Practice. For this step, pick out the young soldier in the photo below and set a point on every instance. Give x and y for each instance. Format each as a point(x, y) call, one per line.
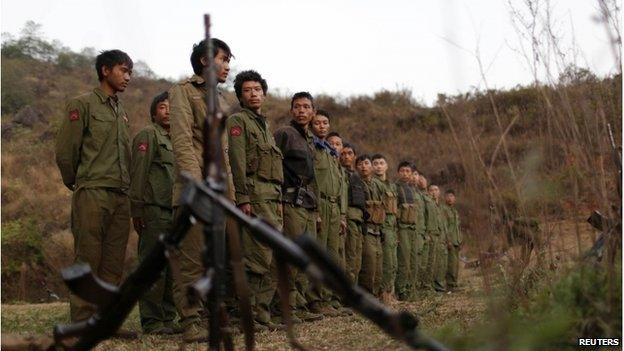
point(439, 239)
point(425, 257)
point(372, 252)
point(452, 220)
point(257, 174)
point(299, 200)
point(331, 207)
point(406, 222)
point(335, 141)
point(188, 112)
point(388, 229)
point(150, 206)
point(356, 226)
point(93, 155)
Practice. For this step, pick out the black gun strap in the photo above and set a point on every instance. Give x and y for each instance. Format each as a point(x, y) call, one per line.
point(240, 283)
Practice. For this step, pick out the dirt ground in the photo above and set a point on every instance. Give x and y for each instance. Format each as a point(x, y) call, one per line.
point(461, 309)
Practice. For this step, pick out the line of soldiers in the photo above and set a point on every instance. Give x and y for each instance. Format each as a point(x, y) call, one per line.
point(391, 238)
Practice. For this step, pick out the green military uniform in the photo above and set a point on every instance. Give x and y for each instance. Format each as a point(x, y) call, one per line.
point(331, 208)
point(372, 253)
point(299, 198)
point(150, 199)
point(257, 174)
point(406, 222)
point(430, 244)
point(355, 225)
point(420, 247)
point(389, 236)
point(93, 155)
point(187, 101)
point(440, 244)
point(454, 235)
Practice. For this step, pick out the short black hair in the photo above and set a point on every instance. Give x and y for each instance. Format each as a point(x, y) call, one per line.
point(405, 164)
point(323, 113)
point(361, 158)
point(378, 156)
point(110, 59)
point(157, 99)
point(246, 76)
point(450, 191)
point(346, 145)
point(333, 134)
point(432, 185)
point(199, 51)
point(301, 95)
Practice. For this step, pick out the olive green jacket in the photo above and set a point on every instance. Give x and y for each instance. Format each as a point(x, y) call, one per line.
point(452, 222)
point(329, 178)
point(151, 170)
point(389, 193)
point(374, 192)
point(93, 143)
point(255, 159)
point(187, 101)
point(421, 214)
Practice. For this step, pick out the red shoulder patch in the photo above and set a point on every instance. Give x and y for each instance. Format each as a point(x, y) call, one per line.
point(74, 115)
point(142, 147)
point(236, 131)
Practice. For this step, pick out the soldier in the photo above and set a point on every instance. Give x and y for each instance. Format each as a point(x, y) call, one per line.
point(188, 112)
point(93, 156)
point(372, 253)
point(257, 174)
point(388, 229)
point(332, 209)
point(452, 220)
point(356, 225)
point(151, 176)
point(406, 222)
point(335, 141)
point(439, 239)
point(299, 200)
point(426, 251)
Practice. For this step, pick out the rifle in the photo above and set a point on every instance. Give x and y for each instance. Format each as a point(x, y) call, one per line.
point(204, 201)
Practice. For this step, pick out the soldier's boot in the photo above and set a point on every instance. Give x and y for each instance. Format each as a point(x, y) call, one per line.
point(194, 332)
point(308, 316)
point(325, 310)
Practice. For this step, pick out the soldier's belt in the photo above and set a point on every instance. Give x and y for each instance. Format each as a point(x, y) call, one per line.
point(373, 232)
point(332, 199)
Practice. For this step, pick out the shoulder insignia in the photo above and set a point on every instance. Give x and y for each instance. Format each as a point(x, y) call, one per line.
point(74, 115)
point(236, 131)
point(142, 147)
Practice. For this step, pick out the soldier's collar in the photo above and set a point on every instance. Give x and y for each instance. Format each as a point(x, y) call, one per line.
point(197, 80)
point(253, 113)
point(104, 97)
point(160, 129)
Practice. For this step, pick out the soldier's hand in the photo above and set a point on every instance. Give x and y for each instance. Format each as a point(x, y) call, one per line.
point(343, 225)
point(246, 208)
point(138, 224)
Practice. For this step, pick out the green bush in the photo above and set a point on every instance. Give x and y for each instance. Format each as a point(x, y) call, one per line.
point(21, 243)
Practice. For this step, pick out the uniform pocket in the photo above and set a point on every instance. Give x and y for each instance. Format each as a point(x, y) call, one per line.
point(376, 211)
point(100, 127)
point(390, 202)
point(407, 213)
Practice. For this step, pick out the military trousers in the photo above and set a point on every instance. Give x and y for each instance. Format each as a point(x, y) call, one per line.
point(439, 265)
point(187, 268)
point(405, 249)
point(297, 221)
point(259, 262)
point(416, 261)
point(329, 236)
point(372, 255)
point(452, 270)
point(426, 259)
point(389, 245)
point(156, 307)
point(353, 245)
point(100, 224)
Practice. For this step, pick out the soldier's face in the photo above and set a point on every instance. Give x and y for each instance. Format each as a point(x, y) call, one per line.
point(320, 126)
point(222, 60)
point(365, 168)
point(347, 157)
point(252, 95)
point(380, 166)
point(336, 143)
point(422, 182)
point(162, 114)
point(434, 191)
point(414, 178)
point(450, 199)
point(302, 111)
point(117, 77)
point(405, 174)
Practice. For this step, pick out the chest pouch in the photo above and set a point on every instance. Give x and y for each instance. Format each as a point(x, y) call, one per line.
point(376, 211)
point(407, 213)
point(390, 202)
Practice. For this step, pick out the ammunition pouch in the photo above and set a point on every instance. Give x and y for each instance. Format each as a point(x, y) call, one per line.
point(408, 213)
point(299, 197)
point(377, 211)
point(269, 164)
point(390, 203)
